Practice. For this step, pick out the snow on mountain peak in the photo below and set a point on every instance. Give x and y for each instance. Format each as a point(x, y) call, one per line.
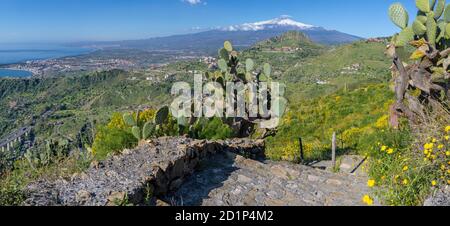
point(283, 21)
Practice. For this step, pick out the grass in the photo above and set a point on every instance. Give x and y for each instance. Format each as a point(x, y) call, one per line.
point(354, 115)
point(408, 164)
point(13, 183)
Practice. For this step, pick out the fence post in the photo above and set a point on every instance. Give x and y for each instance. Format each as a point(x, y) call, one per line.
point(302, 158)
point(333, 150)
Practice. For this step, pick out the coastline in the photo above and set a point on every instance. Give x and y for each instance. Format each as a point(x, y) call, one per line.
point(27, 64)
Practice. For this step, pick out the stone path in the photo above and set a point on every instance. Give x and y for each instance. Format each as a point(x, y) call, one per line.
point(231, 180)
point(186, 172)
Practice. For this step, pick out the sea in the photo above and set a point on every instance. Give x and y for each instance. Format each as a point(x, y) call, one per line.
point(20, 53)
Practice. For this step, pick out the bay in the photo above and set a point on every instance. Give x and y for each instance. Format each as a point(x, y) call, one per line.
point(14, 73)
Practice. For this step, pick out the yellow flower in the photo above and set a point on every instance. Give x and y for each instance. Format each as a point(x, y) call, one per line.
point(429, 146)
point(447, 153)
point(367, 200)
point(448, 181)
point(434, 140)
point(441, 146)
point(371, 183)
point(405, 182)
point(426, 152)
point(384, 148)
point(433, 183)
point(390, 151)
point(447, 129)
point(447, 137)
point(405, 168)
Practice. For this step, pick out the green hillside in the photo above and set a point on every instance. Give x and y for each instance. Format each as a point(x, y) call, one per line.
point(284, 51)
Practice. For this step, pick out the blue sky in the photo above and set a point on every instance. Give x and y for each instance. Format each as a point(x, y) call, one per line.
point(78, 20)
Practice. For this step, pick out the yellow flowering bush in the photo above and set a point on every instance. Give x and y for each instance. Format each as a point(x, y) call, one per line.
point(406, 173)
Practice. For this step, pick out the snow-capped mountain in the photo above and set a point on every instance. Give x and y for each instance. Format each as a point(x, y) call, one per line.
point(281, 22)
point(242, 36)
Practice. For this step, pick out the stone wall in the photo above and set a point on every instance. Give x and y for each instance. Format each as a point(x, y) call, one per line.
point(136, 175)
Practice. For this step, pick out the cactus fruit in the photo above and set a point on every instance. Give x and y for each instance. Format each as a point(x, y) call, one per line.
point(162, 115)
point(129, 120)
point(249, 64)
point(228, 46)
point(399, 15)
point(419, 28)
point(423, 5)
point(439, 9)
point(431, 29)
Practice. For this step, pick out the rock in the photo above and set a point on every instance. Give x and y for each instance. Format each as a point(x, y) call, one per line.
point(159, 202)
point(116, 197)
point(334, 182)
point(252, 183)
point(279, 172)
point(243, 179)
point(441, 197)
point(82, 196)
point(162, 163)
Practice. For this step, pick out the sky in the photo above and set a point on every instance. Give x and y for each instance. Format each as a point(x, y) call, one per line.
point(108, 20)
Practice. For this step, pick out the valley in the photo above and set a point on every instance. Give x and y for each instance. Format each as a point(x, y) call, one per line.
point(107, 113)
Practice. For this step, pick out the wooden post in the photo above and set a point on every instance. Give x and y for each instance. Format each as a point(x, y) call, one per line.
point(333, 150)
point(302, 158)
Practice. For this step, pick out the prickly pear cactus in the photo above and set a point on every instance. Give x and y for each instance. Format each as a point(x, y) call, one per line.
point(399, 15)
point(129, 120)
point(162, 115)
point(426, 70)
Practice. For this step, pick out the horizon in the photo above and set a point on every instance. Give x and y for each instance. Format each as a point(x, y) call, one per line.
point(50, 21)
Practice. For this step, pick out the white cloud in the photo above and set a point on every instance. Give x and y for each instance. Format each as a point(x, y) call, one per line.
point(193, 2)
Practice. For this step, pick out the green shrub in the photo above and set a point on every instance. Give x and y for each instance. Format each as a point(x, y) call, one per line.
point(213, 129)
point(405, 173)
point(112, 140)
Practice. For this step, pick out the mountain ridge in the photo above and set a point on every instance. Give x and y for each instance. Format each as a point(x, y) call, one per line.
point(242, 36)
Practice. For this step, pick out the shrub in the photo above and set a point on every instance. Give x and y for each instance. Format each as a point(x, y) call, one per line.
point(214, 129)
point(406, 166)
point(112, 140)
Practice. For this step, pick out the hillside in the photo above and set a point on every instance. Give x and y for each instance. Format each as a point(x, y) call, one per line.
point(342, 89)
point(284, 51)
